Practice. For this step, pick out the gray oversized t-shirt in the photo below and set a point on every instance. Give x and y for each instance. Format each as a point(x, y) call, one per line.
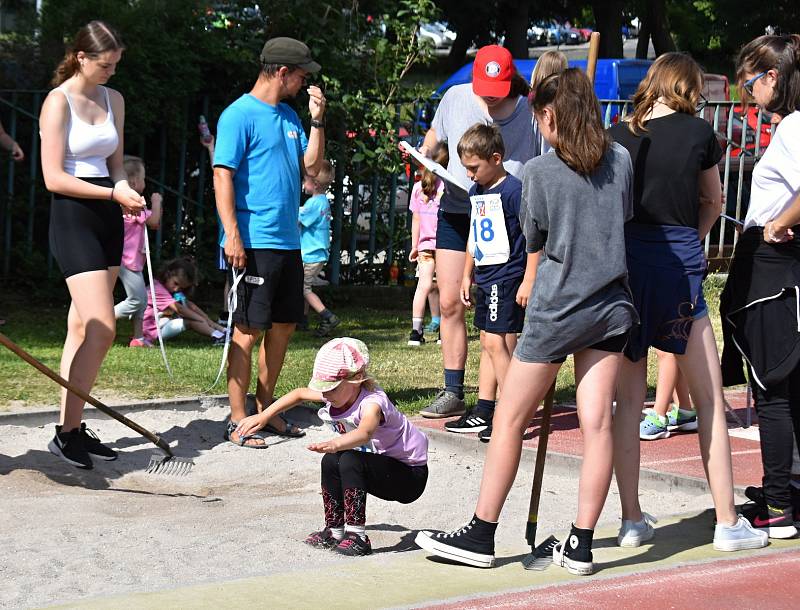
point(581, 294)
point(457, 112)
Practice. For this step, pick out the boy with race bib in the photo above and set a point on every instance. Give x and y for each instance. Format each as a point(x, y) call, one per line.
point(504, 273)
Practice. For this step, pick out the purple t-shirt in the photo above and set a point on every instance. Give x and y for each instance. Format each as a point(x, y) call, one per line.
point(395, 436)
point(428, 210)
point(163, 300)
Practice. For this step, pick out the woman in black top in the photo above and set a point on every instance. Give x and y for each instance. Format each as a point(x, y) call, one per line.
point(677, 199)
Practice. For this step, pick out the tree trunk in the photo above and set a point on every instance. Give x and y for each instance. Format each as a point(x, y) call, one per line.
point(659, 26)
point(458, 52)
point(643, 43)
point(515, 20)
point(608, 17)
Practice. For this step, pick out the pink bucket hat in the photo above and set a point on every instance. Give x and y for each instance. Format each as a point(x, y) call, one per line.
point(342, 359)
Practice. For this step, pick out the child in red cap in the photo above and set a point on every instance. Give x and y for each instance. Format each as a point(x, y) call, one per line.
point(377, 450)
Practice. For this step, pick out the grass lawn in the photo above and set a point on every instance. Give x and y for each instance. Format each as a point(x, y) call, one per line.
point(380, 316)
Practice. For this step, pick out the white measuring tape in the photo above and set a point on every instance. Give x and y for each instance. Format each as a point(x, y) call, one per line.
point(233, 303)
point(155, 305)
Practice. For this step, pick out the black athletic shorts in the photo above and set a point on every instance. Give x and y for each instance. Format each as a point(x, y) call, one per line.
point(496, 309)
point(271, 289)
point(86, 234)
point(452, 231)
point(614, 345)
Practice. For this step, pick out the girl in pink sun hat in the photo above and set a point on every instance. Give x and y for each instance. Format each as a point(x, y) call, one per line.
point(376, 451)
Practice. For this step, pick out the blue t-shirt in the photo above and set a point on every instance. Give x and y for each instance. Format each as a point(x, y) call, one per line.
point(315, 229)
point(263, 145)
point(510, 191)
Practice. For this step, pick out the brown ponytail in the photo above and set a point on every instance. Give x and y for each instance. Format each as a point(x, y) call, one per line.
point(429, 180)
point(94, 38)
point(582, 141)
point(779, 53)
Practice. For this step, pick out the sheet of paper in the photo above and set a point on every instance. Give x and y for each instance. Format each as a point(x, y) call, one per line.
point(433, 166)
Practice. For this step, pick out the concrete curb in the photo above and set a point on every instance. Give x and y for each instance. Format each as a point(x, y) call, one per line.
point(562, 463)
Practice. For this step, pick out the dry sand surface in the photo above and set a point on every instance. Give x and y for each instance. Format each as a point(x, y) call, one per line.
point(68, 534)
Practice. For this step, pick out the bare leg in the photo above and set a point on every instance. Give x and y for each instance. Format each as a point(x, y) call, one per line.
point(631, 392)
point(200, 326)
point(315, 302)
point(668, 373)
point(270, 362)
point(433, 301)
point(91, 328)
point(681, 395)
point(700, 366)
point(596, 376)
point(424, 286)
point(497, 348)
point(449, 271)
point(240, 357)
point(513, 414)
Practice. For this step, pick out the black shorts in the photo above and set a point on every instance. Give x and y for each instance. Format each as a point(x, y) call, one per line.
point(452, 231)
point(271, 289)
point(614, 345)
point(496, 309)
point(86, 234)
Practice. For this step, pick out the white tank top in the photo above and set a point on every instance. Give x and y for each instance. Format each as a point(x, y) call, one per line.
point(88, 146)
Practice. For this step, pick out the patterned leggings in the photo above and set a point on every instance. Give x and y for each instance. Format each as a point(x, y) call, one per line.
point(348, 476)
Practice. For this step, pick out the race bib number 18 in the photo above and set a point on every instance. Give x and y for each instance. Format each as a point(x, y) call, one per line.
point(488, 238)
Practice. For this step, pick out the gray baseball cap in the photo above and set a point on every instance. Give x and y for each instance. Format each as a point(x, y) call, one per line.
point(288, 52)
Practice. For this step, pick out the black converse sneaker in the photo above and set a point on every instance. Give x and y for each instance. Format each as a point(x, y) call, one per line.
point(70, 447)
point(462, 545)
point(416, 338)
point(575, 552)
point(354, 545)
point(468, 423)
point(94, 447)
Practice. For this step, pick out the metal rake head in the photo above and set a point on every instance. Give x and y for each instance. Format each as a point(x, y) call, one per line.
point(542, 556)
point(169, 465)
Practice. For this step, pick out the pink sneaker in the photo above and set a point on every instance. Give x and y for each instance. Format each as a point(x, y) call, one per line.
point(140, 343)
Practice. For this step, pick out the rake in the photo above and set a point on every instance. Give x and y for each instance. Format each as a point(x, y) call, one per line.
point(159, 464)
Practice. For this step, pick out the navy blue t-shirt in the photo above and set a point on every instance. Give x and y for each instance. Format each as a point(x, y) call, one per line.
point(510, 191)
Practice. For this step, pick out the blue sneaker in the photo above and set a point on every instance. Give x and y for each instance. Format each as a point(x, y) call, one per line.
point(681, 419)
point(432, 327)
point(653, 427)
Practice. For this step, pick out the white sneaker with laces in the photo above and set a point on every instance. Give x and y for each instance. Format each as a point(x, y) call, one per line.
point(739, 537)
point(634, 533)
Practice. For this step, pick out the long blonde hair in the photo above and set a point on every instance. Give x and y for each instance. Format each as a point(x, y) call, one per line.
point(550, 62)
point(674, 79)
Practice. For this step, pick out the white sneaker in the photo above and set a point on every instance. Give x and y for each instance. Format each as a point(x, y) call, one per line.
point(634, 533)
point(739, 537)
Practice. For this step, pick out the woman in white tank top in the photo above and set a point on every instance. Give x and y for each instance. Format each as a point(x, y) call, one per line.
point(81, 127)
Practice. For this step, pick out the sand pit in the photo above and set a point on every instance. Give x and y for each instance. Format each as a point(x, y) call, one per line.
point(68, 534)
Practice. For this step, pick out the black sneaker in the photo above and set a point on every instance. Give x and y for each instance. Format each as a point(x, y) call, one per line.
point(756, 494)
point(326, 326)
point(486, 435)
point(416, 338)
point(70, 447)
point(322, 539)
point(354, 545)
point(461, 545)
point(94, 447)
point(468, 423)
point(574, 554)
point(776, 521)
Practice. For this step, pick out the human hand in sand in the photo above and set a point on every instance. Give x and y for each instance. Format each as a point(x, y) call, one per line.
point(330, 446)
point(251, 424)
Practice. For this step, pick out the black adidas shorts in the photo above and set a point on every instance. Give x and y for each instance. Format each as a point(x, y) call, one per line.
point(496, 309)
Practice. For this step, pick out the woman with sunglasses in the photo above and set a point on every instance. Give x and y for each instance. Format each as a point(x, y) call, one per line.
point(676, 200)
point(761, 300)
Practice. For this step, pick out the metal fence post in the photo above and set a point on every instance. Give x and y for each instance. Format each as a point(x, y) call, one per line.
point(355, 210)
point(373, 218)
point(338, 213)
point(200, 216)
point(12, 131)
point(34, 169)
point(162, 151)
point(181, 185)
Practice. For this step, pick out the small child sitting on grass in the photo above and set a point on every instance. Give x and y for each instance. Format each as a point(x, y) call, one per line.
point(377, 450)
point(176, 313)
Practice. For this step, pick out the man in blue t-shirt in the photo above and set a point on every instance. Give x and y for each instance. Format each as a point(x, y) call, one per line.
point(261, 155)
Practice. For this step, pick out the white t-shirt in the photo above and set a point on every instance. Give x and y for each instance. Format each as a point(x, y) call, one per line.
point(776, 178)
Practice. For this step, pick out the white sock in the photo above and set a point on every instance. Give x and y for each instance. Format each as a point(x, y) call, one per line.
point(337, 532)
point(359, 530)
point(416, 324)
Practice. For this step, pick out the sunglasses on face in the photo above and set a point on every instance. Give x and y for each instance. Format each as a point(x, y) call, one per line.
point(748, 86)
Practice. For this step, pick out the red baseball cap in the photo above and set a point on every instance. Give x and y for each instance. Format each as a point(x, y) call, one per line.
point(492, 71)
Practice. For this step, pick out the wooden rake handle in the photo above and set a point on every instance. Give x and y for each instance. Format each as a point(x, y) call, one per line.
point(156, 440)
point(538, 471)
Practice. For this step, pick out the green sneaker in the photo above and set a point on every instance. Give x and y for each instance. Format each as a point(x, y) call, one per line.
point(653, 427)
point(681, 419)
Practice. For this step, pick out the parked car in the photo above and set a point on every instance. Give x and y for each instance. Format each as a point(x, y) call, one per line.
point(436, 34)
point(537, 35)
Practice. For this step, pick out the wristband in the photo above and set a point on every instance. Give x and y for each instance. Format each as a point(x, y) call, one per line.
point(317, 124)
point(112, 192)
